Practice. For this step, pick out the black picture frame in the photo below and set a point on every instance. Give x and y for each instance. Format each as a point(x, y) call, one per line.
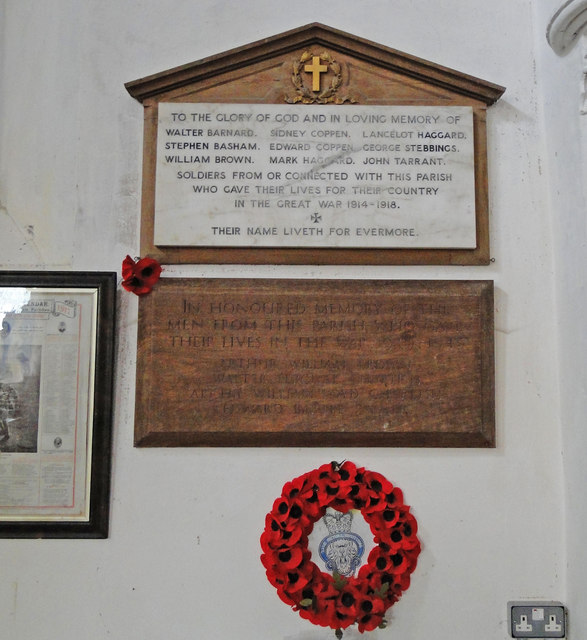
point(98, 341)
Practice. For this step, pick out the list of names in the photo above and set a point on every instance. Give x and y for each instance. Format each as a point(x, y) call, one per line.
point(251, 175)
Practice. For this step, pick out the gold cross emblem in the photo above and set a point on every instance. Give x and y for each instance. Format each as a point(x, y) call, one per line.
point(317, 64)
point(316, 69)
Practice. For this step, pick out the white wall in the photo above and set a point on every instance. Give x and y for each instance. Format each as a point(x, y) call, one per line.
point(182, 558)
point(566, 139)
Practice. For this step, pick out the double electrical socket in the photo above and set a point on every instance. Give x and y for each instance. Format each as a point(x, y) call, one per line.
point(536, 619)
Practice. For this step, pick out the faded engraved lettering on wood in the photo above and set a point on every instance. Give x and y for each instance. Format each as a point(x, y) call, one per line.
point(326, 362)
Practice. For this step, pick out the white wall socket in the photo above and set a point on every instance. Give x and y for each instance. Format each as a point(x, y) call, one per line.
point(536, 619)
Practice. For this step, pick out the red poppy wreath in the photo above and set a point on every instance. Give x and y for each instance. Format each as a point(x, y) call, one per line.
point(335, 600)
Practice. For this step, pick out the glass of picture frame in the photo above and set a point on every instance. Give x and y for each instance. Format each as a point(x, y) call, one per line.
point(56, 375)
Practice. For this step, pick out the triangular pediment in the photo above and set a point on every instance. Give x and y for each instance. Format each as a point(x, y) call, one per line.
point(261, 72)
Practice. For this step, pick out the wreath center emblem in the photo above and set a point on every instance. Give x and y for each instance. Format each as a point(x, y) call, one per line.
point(342, 549)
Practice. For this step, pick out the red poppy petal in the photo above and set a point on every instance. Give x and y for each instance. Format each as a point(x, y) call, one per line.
point(128, 265)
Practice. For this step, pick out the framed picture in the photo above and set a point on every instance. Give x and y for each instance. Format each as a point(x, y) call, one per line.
point(56, 373)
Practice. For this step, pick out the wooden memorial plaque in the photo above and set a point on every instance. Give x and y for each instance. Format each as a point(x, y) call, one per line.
point(241, 362)
point(315, 147)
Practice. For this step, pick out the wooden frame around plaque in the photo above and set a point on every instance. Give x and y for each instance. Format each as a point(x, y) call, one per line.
point(251, 362)
point(261, 73)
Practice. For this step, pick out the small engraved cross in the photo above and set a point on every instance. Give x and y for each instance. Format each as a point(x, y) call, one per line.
point(316, 69)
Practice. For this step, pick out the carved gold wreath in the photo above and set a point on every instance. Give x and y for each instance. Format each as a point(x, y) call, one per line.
point(328, 95)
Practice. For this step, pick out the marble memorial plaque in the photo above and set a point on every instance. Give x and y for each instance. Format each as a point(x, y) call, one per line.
point(263, 175)
point(225, 362)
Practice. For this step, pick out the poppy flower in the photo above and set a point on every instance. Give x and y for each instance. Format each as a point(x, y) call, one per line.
point(348, 601)
point(285, 597)
point(276, 535)
point(314, 510)
point(290, 514)
point(290, 558)
point(273, 573)
point(332, 489)
point(396, 496)
point(324, 614)
point(321, 589)
point(139, 277)
point(295, 581)
point(371, 619)
point(409, 530)
point(323, 596)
